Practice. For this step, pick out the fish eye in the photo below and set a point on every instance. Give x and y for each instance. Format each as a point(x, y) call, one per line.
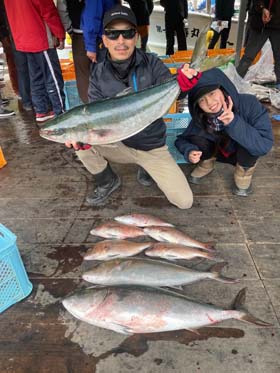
point(58, 132)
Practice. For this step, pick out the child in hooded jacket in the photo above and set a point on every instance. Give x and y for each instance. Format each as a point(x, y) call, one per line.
point(226, 126)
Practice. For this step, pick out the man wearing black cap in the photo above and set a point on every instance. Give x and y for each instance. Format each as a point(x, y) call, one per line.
point(226, 126)
point(127, 67)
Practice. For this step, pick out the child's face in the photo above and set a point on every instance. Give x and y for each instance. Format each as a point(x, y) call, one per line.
point(212, 102)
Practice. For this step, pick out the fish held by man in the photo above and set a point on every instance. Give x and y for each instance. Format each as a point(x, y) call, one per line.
point(173, 251)
point(149, 272)
point(112, 119)
point(117, 230)
point(134, 309)
point(112, 249)
point(200, 61)
point(169, 234)
point(142, 220)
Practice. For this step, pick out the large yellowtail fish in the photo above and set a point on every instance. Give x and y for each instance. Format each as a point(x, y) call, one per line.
point(113, 119)
point(149, 272)
point(133, 309)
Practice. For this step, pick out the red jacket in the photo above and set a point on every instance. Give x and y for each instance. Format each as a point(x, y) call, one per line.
point(29, 20)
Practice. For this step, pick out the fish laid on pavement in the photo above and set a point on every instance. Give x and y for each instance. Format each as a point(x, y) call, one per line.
point(117, 230)
point(112, 249)
point(113, 119)
point(169, 234)
point(149, 272)
point(131, 309)
point(142, 220)
point(173, 251)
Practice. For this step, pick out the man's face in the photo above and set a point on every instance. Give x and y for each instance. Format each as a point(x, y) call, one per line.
point(212, 102)
point(123, 47)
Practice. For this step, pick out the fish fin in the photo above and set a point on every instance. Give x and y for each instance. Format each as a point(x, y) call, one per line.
point(125, 92)
point(122, 329)
point(193, 331)
point(238, 304)
point(216, 272)
point(175, 287)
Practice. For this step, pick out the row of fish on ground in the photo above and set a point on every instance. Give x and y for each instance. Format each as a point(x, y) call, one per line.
point(128, 296)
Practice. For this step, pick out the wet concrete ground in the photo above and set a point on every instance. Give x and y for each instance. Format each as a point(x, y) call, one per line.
point(42, 201)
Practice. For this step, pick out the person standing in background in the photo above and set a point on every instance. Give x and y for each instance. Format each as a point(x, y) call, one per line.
point(224, 11)
point(70, 13)
point(264, 25)
point(91, 24)
point(175, 13)
point(142, 10)
point(37, 31)
point(6, 41)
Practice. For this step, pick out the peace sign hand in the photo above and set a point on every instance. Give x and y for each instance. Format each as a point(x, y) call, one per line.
point(227, 116)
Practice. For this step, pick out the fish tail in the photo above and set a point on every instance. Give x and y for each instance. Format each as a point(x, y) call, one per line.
point(216, 272)
point(238, 304)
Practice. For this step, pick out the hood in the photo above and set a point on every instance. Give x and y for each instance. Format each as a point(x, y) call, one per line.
point(209, 78)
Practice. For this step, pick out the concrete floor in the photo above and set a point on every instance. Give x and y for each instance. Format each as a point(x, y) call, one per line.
point(42, 200)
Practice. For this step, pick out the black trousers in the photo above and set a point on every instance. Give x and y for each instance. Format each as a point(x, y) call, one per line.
point(224, 37)
point(173, 26)
point(210, 149)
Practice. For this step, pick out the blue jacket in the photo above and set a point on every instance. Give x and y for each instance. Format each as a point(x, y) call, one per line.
point(251, 126)
point(92, 21)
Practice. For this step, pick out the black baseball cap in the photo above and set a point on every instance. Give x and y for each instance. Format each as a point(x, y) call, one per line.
point(119, 12)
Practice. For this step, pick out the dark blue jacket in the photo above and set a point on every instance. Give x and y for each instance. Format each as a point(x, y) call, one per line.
point(92, 21)
point(251, 126)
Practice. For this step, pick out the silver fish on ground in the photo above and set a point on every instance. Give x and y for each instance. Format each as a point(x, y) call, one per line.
point(112, 249)
point(117, 230)
point(131, 309)
point(142, 220)
point(113, 119)
point(169, 234)
point(173, 251)
point(149, 272)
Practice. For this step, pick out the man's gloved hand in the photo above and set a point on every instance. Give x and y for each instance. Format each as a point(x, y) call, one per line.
point(77, 145)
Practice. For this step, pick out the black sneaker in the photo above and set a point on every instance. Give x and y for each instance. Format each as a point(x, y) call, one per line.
point(4, 113)
point(144, 178)
point(5, 101)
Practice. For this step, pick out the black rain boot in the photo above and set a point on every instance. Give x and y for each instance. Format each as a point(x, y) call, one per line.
point(105, 183)
point(143, 177)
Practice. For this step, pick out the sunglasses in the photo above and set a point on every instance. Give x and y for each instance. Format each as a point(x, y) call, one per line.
point(114, 34)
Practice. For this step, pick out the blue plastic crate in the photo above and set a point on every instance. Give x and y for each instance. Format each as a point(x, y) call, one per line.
point(176, 124)
point(14, 283)
point(72, 97)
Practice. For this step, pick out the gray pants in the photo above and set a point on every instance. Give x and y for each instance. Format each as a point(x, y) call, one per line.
point(157, 162)
point(254, 44)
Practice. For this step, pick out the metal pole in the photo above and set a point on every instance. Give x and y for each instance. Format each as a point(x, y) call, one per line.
point(240, 30)
point(208, 6)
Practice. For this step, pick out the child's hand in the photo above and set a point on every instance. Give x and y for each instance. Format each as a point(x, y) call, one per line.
point(188, 71)
point(194, 156)
point(227, 116)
